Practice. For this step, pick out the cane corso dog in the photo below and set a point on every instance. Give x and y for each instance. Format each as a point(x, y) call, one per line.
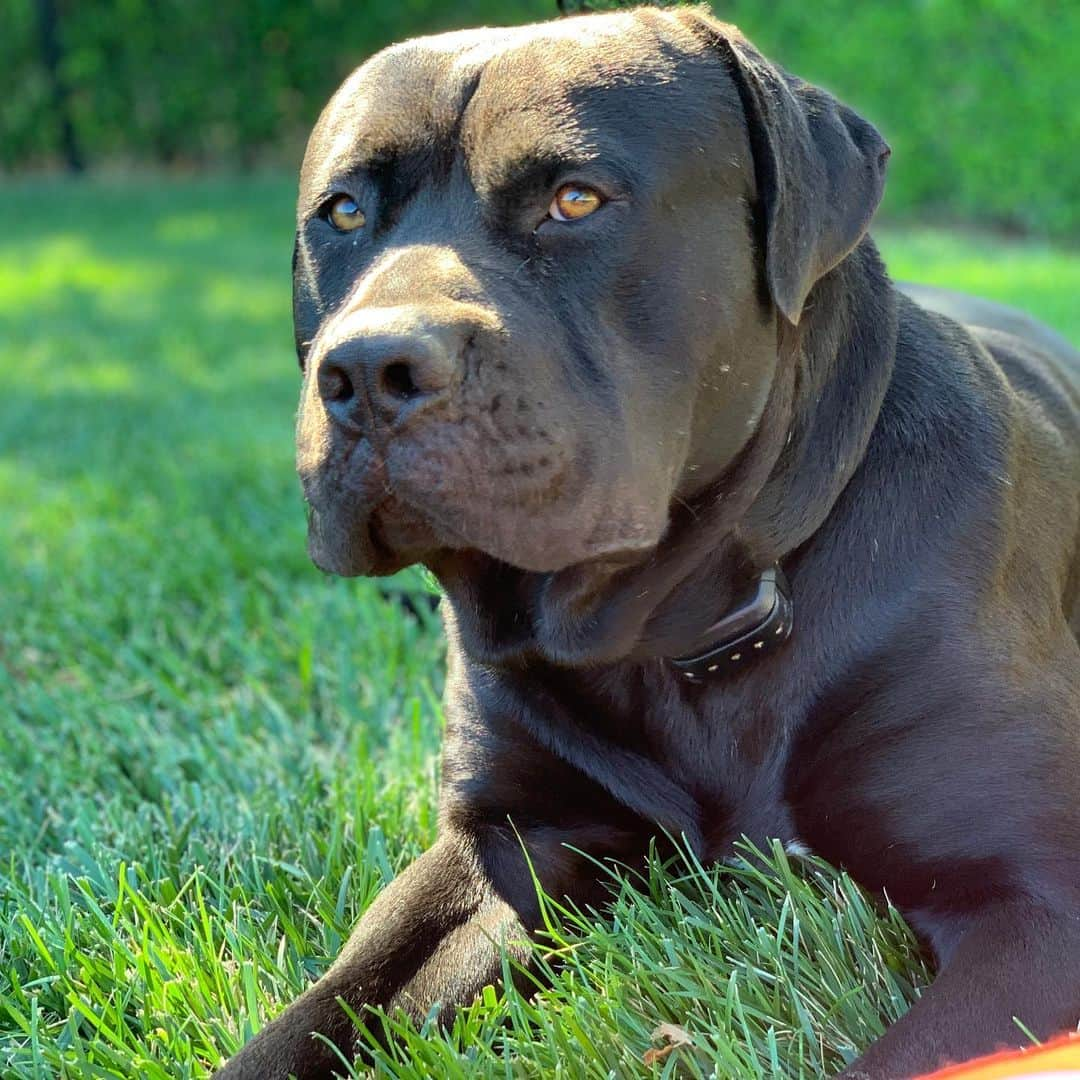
point(736, 539)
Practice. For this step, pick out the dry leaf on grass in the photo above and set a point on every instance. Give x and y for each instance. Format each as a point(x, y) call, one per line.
point(673, 1036)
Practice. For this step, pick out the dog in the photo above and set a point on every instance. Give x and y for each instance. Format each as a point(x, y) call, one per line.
point(736, 539)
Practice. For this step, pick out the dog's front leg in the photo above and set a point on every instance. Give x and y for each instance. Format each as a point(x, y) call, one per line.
point(1018, 960)
point(431, 936)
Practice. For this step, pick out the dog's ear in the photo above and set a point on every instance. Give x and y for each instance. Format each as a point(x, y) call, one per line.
point(820, 167)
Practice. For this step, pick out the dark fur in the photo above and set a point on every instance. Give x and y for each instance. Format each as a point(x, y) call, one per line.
point(611, 425)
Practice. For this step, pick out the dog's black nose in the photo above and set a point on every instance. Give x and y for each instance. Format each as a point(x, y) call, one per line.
point(389, 362)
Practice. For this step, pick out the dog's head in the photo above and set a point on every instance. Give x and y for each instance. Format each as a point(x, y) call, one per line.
point(538, 280)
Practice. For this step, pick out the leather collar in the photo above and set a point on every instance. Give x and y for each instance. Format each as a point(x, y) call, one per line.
point(754, 628)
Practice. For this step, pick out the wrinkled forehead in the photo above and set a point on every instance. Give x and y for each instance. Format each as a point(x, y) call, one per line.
point(570, 88)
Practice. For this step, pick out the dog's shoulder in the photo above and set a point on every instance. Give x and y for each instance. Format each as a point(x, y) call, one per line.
point(1039, 365)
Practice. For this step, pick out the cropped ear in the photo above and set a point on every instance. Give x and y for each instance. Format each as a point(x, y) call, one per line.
point(820, 167)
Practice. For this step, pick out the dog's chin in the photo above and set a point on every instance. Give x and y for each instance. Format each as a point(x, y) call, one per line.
point(394, 536)
point(373, 544)
point(375, 512)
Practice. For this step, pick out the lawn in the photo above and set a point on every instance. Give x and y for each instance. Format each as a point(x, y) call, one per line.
point(212, 756)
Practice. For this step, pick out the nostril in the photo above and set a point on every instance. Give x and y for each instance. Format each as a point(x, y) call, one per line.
point(335, 384)
point(397, 380)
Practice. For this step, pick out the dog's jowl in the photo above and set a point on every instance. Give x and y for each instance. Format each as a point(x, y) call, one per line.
point(735, 537)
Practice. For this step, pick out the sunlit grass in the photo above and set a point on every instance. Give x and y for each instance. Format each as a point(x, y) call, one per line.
point(1043, 280)
point(212, 757)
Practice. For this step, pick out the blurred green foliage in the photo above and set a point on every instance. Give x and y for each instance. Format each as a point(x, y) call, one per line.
point(978, 97)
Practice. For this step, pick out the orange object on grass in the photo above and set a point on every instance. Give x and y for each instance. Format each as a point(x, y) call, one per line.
point(1057, 1060)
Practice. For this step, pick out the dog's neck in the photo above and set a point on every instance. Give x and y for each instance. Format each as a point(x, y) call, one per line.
point(830, 381)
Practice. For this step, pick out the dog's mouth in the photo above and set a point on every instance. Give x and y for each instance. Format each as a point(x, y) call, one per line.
point(399, 536)
point(372, 524)
point(382, 552)
point(346, 539)
point(392, 536)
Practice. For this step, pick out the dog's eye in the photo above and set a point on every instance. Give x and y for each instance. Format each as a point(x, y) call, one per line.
point(343, 213)
point(574, 201)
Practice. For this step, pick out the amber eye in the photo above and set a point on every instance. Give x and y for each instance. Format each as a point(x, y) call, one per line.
point(574, 201)
point(343, 213)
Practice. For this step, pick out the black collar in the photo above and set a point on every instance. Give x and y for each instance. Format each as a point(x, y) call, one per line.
point(750, 630)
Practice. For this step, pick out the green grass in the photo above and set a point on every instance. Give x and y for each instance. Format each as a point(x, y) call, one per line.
point(212, 757)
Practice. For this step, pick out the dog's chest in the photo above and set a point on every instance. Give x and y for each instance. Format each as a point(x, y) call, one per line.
point(729, 751)
point(708, 762)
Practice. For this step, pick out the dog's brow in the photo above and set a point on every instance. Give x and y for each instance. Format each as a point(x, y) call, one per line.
point(530, 172)
point(393, 174)
point(537, 169)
